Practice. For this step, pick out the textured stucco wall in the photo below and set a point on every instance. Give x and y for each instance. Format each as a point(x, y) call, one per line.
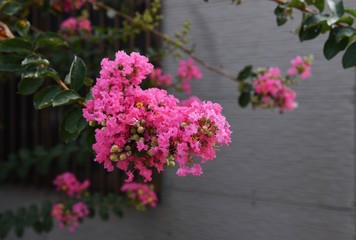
point(284, 177)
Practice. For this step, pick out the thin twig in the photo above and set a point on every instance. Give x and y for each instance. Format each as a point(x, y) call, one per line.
point(167, 39)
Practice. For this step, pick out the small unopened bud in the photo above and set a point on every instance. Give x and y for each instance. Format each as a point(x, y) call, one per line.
point(113, 157)
point(129, 153)
point(149, 153)
point(133, 130)
point(183, 124)
point(92, 123)
point(115, 148)
point(135, 137)
point(171, 163)
point(127, 148)
point(103, 123)
point(209, 134)
point(123, 157)
point(140, 130)
point(143, 122)
point(141, 139)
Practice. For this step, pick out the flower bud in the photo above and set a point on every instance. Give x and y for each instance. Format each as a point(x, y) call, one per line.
point(171, 163)
point(135, 137)
point(149, 153)
point(127, 148)
point(92, 123)
point(123, 156)
point(115, 148)
point(183, 124)
point(141, 139)
point(103, 123)
point(140, 130)
point(113, 157)
point(129, 153)
point(133, 130)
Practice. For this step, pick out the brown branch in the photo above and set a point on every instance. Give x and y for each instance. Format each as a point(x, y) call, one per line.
point(167, 39)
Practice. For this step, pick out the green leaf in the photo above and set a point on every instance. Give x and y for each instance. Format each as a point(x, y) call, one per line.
point(50, 39)
point(314, 20)
point(36, 60)
point(336, 8)
point(9, 7)
point(72, 120)
point(44, 98)
point(118, 211)
point(10, 63)
point(22, 27)
point(244, 99)
point(344, 32)
point(39, 72)
point(72, 125)
point(349, 58)
point(299, 4)
point(15, 45)
point(351, 11)
point(77, 73)
point(319, 4)
point(332, 47)
point(245, 73)
point(65, 97)
point(346, 19)
point(29, 85)
point(309, 33)
point(281, 15)
point(104, 213)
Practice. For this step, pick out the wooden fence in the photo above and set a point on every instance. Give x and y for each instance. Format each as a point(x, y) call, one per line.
point(23, 127)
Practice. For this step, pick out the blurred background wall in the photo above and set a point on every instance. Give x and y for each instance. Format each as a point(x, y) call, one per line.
point(284, 177)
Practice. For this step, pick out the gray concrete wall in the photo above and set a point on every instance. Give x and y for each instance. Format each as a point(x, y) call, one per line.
point(284, 177)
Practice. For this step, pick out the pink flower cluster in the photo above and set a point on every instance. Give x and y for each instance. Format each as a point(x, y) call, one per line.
point(270, 86)
point(69, 216)
point(188, 71)
point(74, 26)
point(68, 183)
point(143, 129)
point(188, 102)
point(68, 5)
point(141, 194)
point(300, 66)
point(271, 90)
point(158, 79)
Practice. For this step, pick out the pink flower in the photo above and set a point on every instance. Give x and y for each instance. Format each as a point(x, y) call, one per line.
point(67, 182)
point(272, 93)
point(75, 26)
point(68, 5)
point(69, 217)
point(188, 102)
point(158, 79)
point(300, 66)
point(141, 194)
point(188, 71)
point(144, 129)
point(84, 25)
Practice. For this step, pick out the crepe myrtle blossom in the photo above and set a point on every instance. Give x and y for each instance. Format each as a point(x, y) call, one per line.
point(300, 66)
point(188, 71)
point(271, 88)
point(158, 79)
point(69, 216)
point(68, 5)
point(68, 183)
point(137, 130)
point(74, 26)
point(141, 194)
